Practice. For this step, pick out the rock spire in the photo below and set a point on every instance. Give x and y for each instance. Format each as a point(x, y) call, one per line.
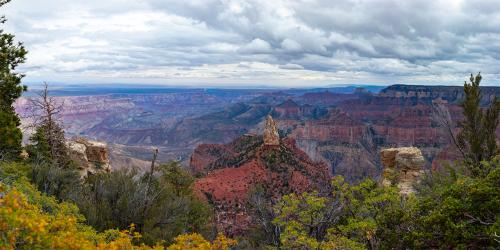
point(271, 136)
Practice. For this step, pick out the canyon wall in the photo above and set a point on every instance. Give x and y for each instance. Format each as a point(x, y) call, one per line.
point(346, 131)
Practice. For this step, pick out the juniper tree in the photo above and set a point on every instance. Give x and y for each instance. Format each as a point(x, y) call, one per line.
point(477, 137)
point(11, 55)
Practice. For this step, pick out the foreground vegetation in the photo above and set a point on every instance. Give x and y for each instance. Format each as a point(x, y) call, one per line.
point(30, 219)
point(44, 203)
point(451, 210)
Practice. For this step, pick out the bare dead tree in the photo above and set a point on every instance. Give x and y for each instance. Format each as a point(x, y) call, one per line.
point(43, 108)
point(43, 113)
point(441, 115)
point(147, 195)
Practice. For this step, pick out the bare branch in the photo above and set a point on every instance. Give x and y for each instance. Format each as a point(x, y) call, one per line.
point(441, 115)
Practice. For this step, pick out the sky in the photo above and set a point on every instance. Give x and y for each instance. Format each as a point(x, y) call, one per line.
point(258, 42)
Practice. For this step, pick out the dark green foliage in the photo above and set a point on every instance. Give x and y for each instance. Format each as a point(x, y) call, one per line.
point(457, 211)
point(11, 172)
point(476, 139)
point(53, 171)
point(373, 215)
point(351, 217)
point(108, 200)
point(120, 198)
point(48, 146)
point(11, 55)
point(10, 136)
point(53, 180)
point(39, 150)
point(451, 211)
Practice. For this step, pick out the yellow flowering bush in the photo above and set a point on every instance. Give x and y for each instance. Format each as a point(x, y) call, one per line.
point(197, 242)
point(24, 225)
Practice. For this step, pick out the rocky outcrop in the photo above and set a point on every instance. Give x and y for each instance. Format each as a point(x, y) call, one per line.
point(271, 135)
point(402, 167)
point(229, 173)
point(90, 156)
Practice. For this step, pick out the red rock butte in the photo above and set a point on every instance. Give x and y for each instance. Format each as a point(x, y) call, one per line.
point(232, 170)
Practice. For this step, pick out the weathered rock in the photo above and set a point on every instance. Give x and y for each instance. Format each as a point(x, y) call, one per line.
point(271, 136)
point(403, 167)
point(90, 156)
point(388, 157)
point(229, 172)
point(24, 155)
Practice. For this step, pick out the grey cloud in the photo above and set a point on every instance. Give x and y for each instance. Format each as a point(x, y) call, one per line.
point(291, 66)
point(382, 39)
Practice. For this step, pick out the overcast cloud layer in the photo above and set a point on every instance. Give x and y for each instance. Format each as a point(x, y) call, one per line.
point(276, 42)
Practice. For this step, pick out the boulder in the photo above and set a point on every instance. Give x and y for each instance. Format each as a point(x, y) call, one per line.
point(90, 156)
point(402, 167)
point(409, 159)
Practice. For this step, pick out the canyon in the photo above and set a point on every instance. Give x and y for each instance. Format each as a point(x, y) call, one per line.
point(243, 144)
point(345, 128)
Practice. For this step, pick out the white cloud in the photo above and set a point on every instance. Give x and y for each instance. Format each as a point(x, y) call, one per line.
point(256, 46)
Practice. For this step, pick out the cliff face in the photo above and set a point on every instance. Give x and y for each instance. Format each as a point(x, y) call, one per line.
point(90, 156)
point(402, 167)
point(337, 125)
point(231, 171)
point(342, 142)
point(450, 94)
point(381, 122)
point(292, 110)
point(325, 98)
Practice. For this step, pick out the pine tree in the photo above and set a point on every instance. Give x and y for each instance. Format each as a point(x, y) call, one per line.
point(48, 143)
point(477, 137)
point(11, 55)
